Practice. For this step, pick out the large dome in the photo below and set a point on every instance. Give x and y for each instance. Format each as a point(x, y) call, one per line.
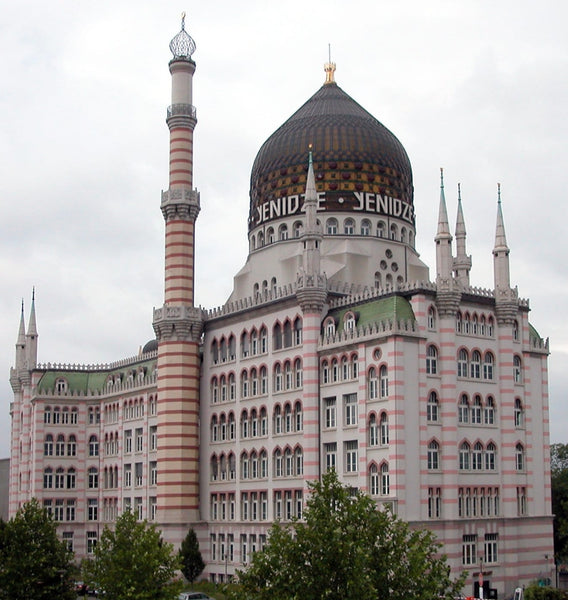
point(359, 164)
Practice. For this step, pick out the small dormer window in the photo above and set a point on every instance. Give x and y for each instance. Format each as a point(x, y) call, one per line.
point(329, 326)
point(349, 322)
point(60, 385)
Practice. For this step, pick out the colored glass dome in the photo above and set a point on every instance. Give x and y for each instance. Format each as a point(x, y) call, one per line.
point(353, 154)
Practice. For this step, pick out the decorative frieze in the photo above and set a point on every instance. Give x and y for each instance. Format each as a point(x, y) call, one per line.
point(178, 323)
point(180, 204)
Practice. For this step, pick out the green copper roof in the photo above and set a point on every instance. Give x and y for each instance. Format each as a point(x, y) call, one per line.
point(83, 381)
point(392, 308)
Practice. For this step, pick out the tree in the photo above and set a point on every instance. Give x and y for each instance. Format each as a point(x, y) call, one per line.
point(559, 482)
point(132, 562)
point(34, 562)
point(346, 548)
point(190, 557)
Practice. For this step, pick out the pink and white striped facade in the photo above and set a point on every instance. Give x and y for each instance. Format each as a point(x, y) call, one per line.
point(431, 396)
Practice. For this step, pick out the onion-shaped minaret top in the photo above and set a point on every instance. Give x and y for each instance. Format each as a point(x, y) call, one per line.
point(182, 45)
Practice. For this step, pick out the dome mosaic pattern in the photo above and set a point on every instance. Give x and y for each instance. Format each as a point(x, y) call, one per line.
point(352, 150)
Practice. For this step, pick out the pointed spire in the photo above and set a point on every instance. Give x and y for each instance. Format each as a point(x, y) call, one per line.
point(32, 328)
point(311, 194)
point(443, 224)
point(460, 222)
point(500, 238)
point(329, 68)
point(22, 330)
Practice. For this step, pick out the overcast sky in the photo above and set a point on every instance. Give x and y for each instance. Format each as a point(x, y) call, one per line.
point(478, 87)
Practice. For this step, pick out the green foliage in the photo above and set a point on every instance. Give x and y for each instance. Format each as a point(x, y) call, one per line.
point(536, 592)
point(34, 563)
point(132, 562)
point(190, 557)
point(559, 480)
point(346, 548)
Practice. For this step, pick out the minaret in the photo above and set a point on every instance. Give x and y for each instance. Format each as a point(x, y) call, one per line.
point(443, 238)
point(311, 293)
point(506, 299)
point(462, 262)
point(178, 324)
point(31, 337)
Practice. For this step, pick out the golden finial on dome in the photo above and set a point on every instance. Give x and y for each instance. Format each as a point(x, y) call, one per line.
point(329, 68)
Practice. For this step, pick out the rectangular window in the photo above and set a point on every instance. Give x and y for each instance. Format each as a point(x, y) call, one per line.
point(263, 506)
point(153, 437)
point(139, 439)
point(91, 541)
point(138, 472)
point(153, 472)
point(521, 501)
point(350, 404)
point(469, 549)
point(330, 412)
point(48, 507)
point(128, 441)
point(434, 503)
point(58, 513)
point(70, 516)
point(490, 548)
point(127, 476)
point(93, 509)
point(153, 502)
point(68, 539)
point(138, 508)
point(244, 548)
point(351, 454)
point(330, 451)
point(277, 505)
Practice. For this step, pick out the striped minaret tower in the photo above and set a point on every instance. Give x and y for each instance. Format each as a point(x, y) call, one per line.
point(178, 324)
point(311, 293)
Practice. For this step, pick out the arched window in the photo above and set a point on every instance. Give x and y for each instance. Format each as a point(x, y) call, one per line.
point(490, 454)
point(72, 446)
point(329, 326)
point(465, 456)
point(519, 414)
point(384, 381)
point(263, 422)
point(474, 325)
point(277, 336)
point(287, 375)
point(515, 331)
point(277, 419)
point(385, 480)
point(349, 227)
point(381, 229)
point(71, 479)
point(476, 410)
point(373, 431)
point(253, 382)
point(334, 370)
point(244, 385)
point(214, 390)
point(244, 425)
point(482, 326)
point(354, 366)
point(253, 465)
point(263, 340)
point(433, 408)
point(477, 457)
point(223, 388)
point(459, 325)
point(462, 363)
point(344, 369)
point(287, 418)
point(476, 365)
point(299, 461)
point(288, 334)
point(463, 409)
point(331, 226)
point(403, 235)
point(93, 478)
point(263, 381)
point(278, 471)
point(490, 327)
point(231, 424)
point(232, 387)
point(214, 429)
point(489, 412)
point(223, 428)
point(297, 331)
point(374, 480)
point(431, 360)
point(488, 362)
point(244, 466)
point(298, 416)
point(349, 322)
point(433, 456)
point(298, 373)
point(384, 429)
point(517, 369)
point(431, 318)
point(378, 280)
point(298, 227)
point(365, 227)
point(325, 372)
point(60, 446)
point(263, 464)
point(232, 466)
point(466, 323)
point(48, 445)
point(520, 457)
point(48, 478)
point(373, 384)
point(277, 377)
point(283, 232)
point(393, 231)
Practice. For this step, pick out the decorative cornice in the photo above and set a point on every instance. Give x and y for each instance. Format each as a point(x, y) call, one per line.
point(506, 305)
point(178, 323)
point(448, 296)
point(180, 204)
point(311, 292)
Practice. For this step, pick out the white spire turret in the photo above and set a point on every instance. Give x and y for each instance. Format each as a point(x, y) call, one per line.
point(31, 337)
point(462, 262)
point(21, 342)
point(443, 237)
point(501, 250)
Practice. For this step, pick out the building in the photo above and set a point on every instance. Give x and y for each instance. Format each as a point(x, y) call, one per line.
point(336, 349)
